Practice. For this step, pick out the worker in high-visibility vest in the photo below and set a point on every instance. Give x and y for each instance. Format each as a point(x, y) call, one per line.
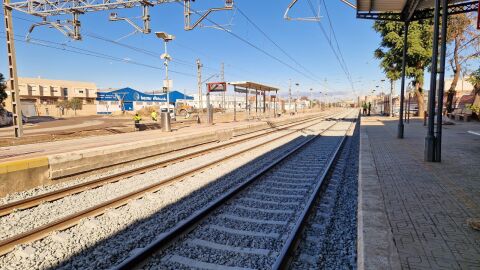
point(137, 118)
point(154, 116)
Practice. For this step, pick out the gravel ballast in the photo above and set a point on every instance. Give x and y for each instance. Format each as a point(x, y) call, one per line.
point(330, 236)
point(105, 240)
point(250, 229)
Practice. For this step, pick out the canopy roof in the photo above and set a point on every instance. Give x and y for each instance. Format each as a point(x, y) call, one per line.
point(254, 86)
point(408, 10)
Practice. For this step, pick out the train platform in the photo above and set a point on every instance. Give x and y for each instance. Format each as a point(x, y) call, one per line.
point(413, 214)
point(26, 166)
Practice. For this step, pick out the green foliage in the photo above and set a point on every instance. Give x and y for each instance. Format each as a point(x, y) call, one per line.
point(474, 79)
point(474, 108)
point(63, 104)
point(75, 104)
point(3, 87)
point(390, 52)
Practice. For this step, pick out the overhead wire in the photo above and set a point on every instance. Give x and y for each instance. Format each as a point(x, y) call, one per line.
point(338, 55)
point(76, 50)
point(274, 43)
point(250, 44)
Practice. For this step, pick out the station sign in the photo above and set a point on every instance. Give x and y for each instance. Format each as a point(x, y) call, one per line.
point(243, 91)
point(217, 87)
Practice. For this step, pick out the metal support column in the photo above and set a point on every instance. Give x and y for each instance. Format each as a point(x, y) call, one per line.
point(247, 107)
point(275, 105)
point(430, 138)
point(401, 126)
point(199, 82)
point(256, 103)
point(235, 103)
point(408, 107)
point(264, 103)
point(12, 69)
point(441, 82)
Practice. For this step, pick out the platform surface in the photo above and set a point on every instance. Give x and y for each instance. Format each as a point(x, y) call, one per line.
point(20, 152)
point(426, 204)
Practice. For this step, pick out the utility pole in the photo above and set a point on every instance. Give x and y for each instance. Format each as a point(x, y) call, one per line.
point(311, 98)
point(391, 98)
point(290, 95)
point(12, 68)
point(222, 78)
point(199, 81)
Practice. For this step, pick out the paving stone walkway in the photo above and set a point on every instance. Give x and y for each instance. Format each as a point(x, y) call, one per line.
point(427, 204)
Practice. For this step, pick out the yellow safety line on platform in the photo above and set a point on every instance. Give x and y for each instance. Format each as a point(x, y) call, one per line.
point(18, 165)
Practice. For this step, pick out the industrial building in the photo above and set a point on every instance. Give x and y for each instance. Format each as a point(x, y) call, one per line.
point(128, 99)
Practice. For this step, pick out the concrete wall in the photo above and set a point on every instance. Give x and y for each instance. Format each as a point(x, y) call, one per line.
point(52, 110)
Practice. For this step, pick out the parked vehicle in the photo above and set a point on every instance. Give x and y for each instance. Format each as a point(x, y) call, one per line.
point(6, 118)
point(184, 109)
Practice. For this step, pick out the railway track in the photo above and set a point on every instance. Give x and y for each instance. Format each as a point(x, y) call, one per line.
point(33, 201)
point(257, 224)
point(8, 244)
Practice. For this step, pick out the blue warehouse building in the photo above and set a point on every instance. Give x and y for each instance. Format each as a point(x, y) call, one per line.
point(128, 99)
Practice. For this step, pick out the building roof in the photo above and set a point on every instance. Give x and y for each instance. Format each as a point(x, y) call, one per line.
point(407, 10)
point(57, 83)
point(254, 86)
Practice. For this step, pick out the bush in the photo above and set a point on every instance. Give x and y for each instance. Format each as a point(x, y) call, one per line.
point(146, 111)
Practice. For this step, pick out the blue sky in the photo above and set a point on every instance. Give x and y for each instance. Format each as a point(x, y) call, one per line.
point(302, 40)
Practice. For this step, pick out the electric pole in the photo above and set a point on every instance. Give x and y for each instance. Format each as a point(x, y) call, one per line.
point(199, 81)
point(222, 78)
point(290, 94)
point(12, 68)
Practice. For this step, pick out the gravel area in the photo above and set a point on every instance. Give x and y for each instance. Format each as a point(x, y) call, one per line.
point(21, 221)
point(250, 230)
point(117, 169)
point(330, 237)
point(97, 243)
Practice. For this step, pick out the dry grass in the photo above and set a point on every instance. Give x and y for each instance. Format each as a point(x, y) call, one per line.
point(147, 110)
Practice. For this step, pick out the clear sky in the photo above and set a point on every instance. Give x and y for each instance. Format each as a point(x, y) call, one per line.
point(303, 41)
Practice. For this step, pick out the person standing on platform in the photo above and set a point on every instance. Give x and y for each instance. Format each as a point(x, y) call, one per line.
point(154, 116)
point(137, 118)
point(369, 108)
point(364, 108)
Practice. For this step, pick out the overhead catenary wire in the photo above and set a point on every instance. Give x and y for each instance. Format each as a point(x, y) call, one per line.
point(250, 44)
point(275, 43)
point(76, 50)
point(338, 55)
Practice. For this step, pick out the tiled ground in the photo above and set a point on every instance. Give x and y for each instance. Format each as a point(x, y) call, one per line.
point(427, 204)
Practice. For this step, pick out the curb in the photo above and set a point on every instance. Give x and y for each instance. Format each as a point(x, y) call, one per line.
point(375, 244)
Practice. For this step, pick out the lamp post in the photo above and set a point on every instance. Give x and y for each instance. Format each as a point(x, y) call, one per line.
point(296, 99)
point(166, 57)
point(311, 100)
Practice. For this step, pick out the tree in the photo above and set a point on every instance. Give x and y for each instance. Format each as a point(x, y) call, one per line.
point(462, 33)
point(3, 93)
point(75, 104)
point(419, 53)
point(474, 79)
point(62, 105)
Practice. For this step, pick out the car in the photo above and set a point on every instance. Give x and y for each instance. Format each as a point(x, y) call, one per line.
point(6, 118)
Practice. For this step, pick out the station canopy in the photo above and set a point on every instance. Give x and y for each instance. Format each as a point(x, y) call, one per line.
point(254, 86)
point(408, 10)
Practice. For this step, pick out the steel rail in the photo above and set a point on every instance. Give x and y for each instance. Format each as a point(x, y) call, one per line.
point(8, 208)
point(40, 232)
point(287, 250)
point(166, 238)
